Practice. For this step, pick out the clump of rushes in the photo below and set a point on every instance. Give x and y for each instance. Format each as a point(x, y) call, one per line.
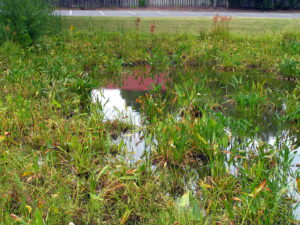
point(190, 140)
point(187, 133)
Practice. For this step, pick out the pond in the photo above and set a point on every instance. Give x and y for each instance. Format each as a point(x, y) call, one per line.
point(119, 102)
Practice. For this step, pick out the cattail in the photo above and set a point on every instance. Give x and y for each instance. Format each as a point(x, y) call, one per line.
point(221, 24)
point(216, 18)
point(137, 22)
point(152, 28)
point(225, 18)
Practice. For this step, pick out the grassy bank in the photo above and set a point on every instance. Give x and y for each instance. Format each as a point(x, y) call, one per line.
point(181, 25)
point(58, 159)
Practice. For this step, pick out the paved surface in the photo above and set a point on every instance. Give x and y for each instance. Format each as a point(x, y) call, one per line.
point(157, 13)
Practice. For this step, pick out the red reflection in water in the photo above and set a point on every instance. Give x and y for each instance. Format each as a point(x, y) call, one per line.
point(133, 82)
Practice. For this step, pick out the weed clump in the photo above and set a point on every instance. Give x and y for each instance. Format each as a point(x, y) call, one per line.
point(25, 21)
point(290, 68)
point(290, 43)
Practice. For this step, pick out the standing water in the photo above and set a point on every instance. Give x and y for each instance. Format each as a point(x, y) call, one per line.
point(119, 103)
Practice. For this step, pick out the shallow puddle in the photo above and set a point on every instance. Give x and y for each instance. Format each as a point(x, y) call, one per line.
point(118, 102)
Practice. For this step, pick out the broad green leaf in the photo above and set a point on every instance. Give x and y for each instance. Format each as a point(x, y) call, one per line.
point(201, 139)
point(2, 138)
point(96, 197)
point(229, 210)
point(184, 201)
point(38, 218)
point(196, 211)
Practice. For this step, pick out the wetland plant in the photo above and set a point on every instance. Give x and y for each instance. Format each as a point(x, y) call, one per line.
point(208, 165)
point(220, 26)
point(26, 21)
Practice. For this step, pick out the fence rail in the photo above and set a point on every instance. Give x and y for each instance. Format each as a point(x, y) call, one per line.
point(265, 4)
point(182, 3)
point(253, 4)
point(94, 3)
point(136, 3)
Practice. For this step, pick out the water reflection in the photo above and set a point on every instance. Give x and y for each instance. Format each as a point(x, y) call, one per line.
point(118, 105)
point(121, 104)
point(140, 83)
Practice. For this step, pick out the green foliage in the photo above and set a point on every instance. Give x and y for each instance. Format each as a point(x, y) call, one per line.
point(264, 4)
point(290, 43)
point(293, 110)
point(234, 3)
point(25, 21)
point(293, 4)
point(188, 208)
point(142, 3)
point(206, 162)
point(289, 67)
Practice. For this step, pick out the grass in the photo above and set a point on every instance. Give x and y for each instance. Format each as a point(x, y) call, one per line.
point(181, 25)
point(59, 162)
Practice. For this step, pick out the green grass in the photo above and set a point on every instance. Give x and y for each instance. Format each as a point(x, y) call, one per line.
point(251, 26)
point(58, 160)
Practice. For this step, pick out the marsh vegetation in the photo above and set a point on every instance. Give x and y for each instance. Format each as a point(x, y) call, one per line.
point(215, 144)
